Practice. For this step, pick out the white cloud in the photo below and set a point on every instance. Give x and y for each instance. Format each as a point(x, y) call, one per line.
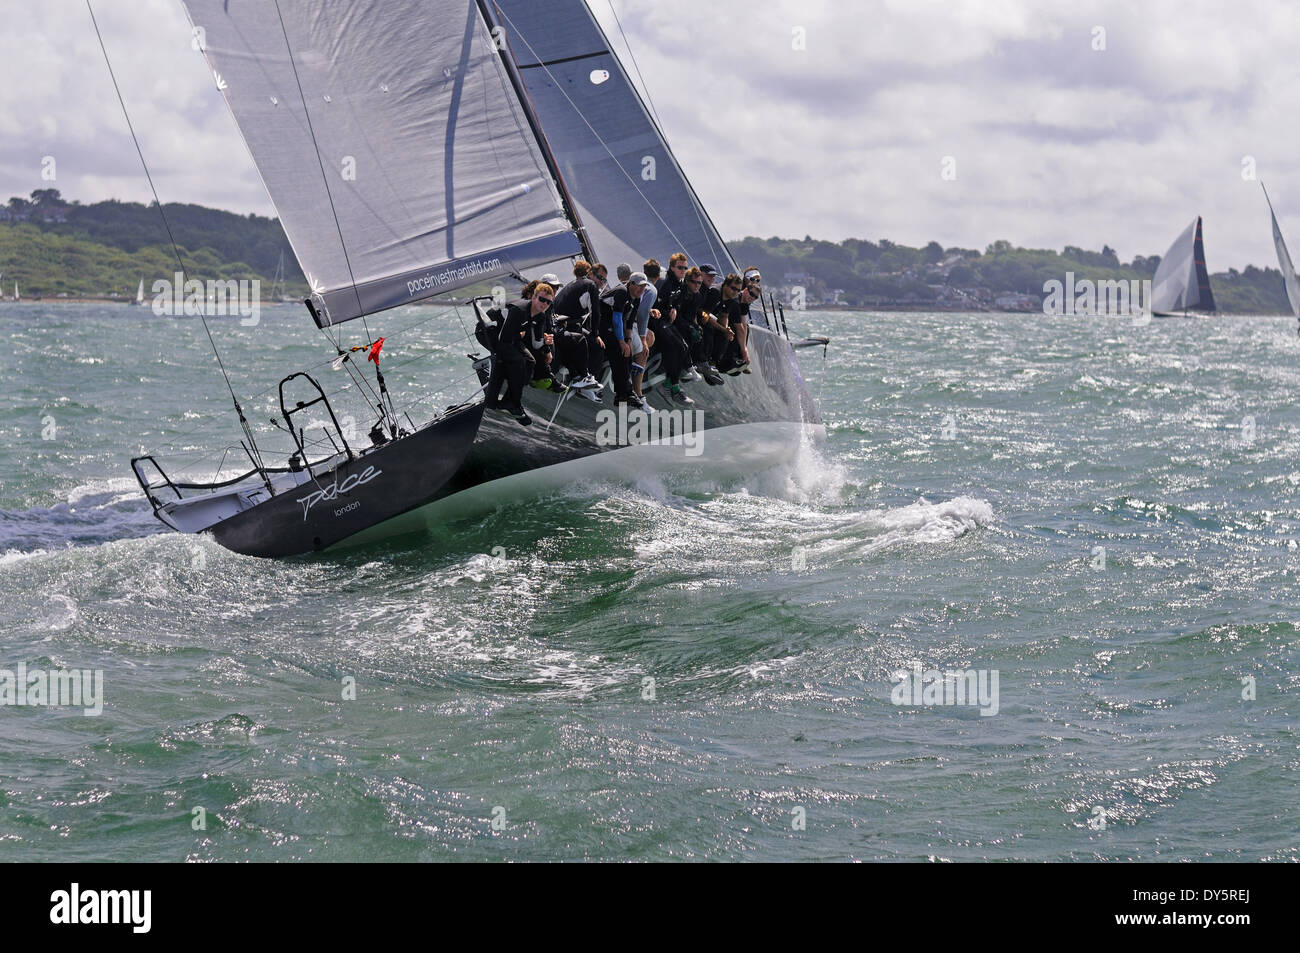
point(1056, 143)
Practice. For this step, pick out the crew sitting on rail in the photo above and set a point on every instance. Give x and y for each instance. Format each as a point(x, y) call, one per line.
point(599, 312)
point(750, 292)
point(642, 337)
point(618, 315)
point(539, 342)
point(714, 331)
point(509, 357)
point(687, 316)
point(726, 343)
point(697, 329)
point(674, 354)
point(573, 306)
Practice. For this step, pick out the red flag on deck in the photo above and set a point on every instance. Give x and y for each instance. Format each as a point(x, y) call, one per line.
point(374, 351)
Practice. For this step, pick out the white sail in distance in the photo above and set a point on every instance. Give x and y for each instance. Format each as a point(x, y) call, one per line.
point(1181, 281)
point(1284, 260)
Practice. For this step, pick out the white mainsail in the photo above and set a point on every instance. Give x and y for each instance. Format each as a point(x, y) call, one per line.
point(139, 293)
point(392, 142)
point(630, 193)
point(1284, 260)
point(1181, 281)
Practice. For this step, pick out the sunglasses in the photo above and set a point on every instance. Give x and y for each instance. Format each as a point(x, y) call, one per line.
point(693, 281)
point(679, 267)
point(546, 301)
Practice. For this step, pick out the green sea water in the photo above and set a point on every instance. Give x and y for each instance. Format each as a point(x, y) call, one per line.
point(1104, 515)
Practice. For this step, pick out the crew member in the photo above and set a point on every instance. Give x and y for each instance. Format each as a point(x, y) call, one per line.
point(509, 360)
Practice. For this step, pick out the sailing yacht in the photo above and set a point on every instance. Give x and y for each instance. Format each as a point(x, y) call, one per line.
point(276, 293)
point(490, 140)
point(139, 295)
point(1181, 283)
point(1284, 260)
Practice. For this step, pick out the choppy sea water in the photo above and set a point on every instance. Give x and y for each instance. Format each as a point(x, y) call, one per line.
point(1105, 515)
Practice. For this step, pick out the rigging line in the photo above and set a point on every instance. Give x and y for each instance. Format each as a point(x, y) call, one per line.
point(439, 313)
point(602, 142)
point(273, 387)
point(459, 318)
point(437, 347)
point(221, 464)
point(321, 162)
point(660, 125)
point(636, 66)
point(167, 226)
point(448, 386)
point(377, 406)
point(413, 360)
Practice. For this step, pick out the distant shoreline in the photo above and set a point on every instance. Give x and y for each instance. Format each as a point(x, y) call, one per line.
point(875, 309)
point(42, 300)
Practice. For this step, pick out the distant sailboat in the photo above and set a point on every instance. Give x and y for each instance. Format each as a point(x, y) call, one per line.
point(1181, 283)
point(17, 297)
point(277, 283)
point(139, 294)
point(1284, 260)
point(278, 286)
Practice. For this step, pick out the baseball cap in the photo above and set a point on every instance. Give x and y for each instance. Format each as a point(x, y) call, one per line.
point(552, 280)
point(708, 270)
point(637, 278)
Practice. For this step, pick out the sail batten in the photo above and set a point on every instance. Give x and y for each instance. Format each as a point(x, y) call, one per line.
point(392, 142)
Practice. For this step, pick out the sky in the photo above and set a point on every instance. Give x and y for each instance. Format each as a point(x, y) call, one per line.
point(1044, 123)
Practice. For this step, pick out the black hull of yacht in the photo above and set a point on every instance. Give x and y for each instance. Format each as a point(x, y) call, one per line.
point(471, 460)
point(365, 491)
point(749, 422)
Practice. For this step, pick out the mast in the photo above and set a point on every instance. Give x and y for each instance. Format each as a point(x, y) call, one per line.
point(512, 69)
